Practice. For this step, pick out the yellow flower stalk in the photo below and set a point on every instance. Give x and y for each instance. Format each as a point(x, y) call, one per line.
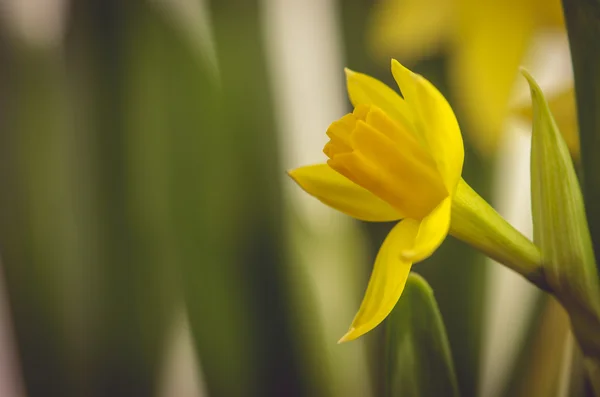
point(392, 159)
point(486, 39)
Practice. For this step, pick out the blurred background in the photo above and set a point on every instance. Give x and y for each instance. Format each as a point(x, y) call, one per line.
point(151, 243)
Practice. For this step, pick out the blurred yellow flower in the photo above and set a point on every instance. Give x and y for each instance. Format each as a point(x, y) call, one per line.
point(393, 158)
point(486, 38)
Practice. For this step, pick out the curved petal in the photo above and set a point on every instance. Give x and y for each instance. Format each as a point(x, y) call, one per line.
point(337, 191)
point(442, 133)
point(436, 123)
point(432, 232)
point(406, 81)
point(387, 280)
point(367, 90)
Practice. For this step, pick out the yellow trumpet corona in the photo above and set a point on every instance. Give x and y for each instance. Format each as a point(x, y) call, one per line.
point(394, 158)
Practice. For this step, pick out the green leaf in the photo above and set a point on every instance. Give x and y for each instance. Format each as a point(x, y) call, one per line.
point(419, 362)
point(225, 203)
point(543, 363)
point(560, 226)
point(559, 222)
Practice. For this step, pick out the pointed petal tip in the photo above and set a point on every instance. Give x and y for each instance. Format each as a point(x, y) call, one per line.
point(395, 64)
point(296, 176)
point(291, 173)
point(349, 72)
point(350, 335)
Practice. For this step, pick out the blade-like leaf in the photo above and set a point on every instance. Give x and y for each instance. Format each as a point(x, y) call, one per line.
point(227, 218)
point(419, 362)
point(561, 231)
point(559, 224)
point(542, 358)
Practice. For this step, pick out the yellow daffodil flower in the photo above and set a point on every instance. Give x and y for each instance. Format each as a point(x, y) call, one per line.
point(392, 159)
point(486, 40)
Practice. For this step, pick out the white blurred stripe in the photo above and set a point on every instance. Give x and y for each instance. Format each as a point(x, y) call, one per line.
point(182, 375)
point(40, 23)
point(510, 298)
point(304, 55)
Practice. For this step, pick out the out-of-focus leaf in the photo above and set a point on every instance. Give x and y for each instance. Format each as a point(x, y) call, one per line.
point(222, 169)
point(43, 229)
point(130, 281)
point(542, 359)
point(583, 26)
point(419, 362)
point(88, 288)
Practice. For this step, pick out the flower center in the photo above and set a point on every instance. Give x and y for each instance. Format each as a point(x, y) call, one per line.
point(386, 158)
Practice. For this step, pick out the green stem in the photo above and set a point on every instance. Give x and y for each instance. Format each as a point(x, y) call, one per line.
point(475, 222)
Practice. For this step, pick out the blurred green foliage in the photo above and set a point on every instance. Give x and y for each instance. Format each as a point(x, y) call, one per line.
point(140, 178)
point(130, 168)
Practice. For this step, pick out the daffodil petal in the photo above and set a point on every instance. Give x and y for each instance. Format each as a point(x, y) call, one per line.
point(437, 123)
point(492, 39)
point(403, 175)
point(407, 82)
point(337, 191)
point(432, 231)
point(367, 90)
point(387, 279)
point(441, 131)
